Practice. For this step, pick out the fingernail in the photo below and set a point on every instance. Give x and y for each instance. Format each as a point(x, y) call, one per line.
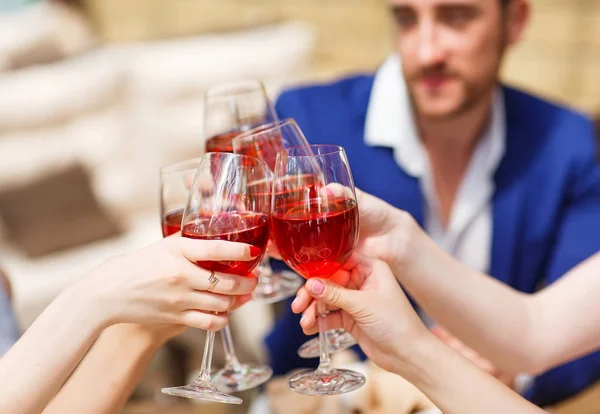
point(255, 251)
point(317, 287)
point(302, 319)
point(294, 302)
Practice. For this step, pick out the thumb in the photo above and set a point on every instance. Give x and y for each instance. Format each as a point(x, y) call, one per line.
point(333, 295)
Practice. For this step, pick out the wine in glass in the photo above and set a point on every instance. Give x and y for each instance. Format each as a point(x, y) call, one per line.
point(229, 200)
point(175, 183)
point(264, 142)
point(230, 109)
point(316, 232)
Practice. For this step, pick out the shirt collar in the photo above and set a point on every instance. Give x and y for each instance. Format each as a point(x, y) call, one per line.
point(390, 122)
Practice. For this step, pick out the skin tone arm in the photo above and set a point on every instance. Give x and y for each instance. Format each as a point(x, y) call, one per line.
point(378, 315)
point(159, 284)
point(112, 368)
point(517, 332)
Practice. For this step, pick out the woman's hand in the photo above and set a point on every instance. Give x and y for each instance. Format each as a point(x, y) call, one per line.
point(386, 232)
point(371, 306)
point(160, 284)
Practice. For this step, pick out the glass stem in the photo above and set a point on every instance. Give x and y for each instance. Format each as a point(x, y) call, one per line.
point(325, 366)
point(231, 360)
point(204, 376)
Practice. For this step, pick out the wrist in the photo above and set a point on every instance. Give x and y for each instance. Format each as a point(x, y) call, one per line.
point(416, 357)
point(142, 336)
point(404, 238)
point(156, 333)
point(83, 298)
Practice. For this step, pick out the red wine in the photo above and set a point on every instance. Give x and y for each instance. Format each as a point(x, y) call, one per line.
point(293, 188)
point(171, 223)
point(221, 142)
point(316, 237)
point(226, 226)
point(264, 147)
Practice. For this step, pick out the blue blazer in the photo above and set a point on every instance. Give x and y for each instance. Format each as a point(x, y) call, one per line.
point(546, 206)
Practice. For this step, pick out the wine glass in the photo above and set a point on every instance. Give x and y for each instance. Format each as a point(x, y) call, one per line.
point(234, 107)
point(175, 183)
point(264, 142)
point(316, 232)
point(229, 200)
point(230, 109)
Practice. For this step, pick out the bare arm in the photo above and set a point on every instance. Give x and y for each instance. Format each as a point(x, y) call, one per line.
point(156, 285)
point(112, 369)
point(378, 315)
point(457, 386)
point(43, 352)
point(517, 332)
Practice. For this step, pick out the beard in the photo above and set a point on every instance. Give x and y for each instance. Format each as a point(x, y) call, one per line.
point(463, 95)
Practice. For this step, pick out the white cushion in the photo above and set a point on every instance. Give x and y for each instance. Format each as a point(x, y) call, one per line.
point(51, 94)
point(42, 32)
point(93, 140)
point(182, 67)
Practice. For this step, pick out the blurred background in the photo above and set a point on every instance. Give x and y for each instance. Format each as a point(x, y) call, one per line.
point(97, 95)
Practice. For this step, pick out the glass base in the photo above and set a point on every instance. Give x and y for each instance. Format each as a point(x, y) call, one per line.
point(277, 287)
point(241, 377)
point(202, 391)
point(337, 340)
point(332, 382)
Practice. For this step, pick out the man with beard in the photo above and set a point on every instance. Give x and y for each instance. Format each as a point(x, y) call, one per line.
point(504, 181)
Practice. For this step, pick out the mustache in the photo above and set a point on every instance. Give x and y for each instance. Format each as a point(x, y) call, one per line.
point(434, 71)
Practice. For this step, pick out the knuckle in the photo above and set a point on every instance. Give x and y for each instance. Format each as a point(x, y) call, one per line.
point(175, 280)
point(175, 301)
point(215, 322)
point(216, 249)
point(334, 295)
point(174, 244)
point(233, 284)
point(209, 324)
point(253, 283)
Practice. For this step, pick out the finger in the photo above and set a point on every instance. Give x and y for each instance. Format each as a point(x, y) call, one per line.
point(334, 321)
point(205, 321)
point(441, 332)
point(341, 277)
point(336, 190)
point(309, 316)
point(188, 178)
point(302, 301)
point(334, 295)
point(209, 302)
point(357, 260)
point(204, 182)
point(226, 284)
point(216, 250)
point(240, 301)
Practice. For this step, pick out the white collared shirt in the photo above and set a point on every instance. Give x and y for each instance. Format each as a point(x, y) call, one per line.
point(468, 238)
point(390, 123)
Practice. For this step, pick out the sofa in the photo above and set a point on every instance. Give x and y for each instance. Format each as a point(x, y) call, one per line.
point(114, 113)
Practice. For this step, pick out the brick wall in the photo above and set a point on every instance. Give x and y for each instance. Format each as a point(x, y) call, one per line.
point(560, 57)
